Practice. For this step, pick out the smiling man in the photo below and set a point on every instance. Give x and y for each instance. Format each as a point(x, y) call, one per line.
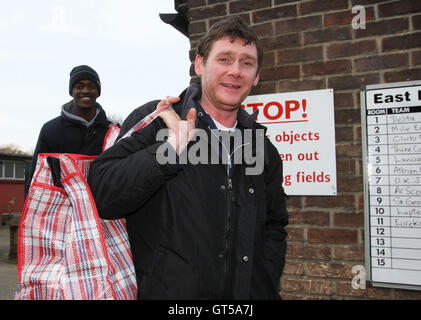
point(82, 124)
point(200, 230)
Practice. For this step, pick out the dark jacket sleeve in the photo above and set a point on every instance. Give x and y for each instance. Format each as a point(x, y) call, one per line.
point(127, 174)
point(277, 215)
point(41, 147)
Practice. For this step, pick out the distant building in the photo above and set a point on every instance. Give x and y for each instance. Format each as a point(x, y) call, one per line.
point(12, 181)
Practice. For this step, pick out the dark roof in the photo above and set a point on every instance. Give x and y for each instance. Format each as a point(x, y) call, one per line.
point(14, 156)
point(177, 21)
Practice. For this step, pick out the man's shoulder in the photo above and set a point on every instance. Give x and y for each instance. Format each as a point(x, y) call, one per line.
point(52, 124)
point(143, 110)
point(138, 114)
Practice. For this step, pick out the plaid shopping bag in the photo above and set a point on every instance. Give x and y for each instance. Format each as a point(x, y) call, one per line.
point(65, 251)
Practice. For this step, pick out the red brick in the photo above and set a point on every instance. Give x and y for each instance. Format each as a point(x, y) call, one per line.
point(399, 8)
point(402, 42)
point(350, 184)
point(294, 267)
point(366, 2)
point(382, 62)
point(278, 2)
point(264, 30)
point(349, 252)
point(416, 22)
point(344, 288)
point(327, 35)
point(329, 269)
point(195, 3)
point(384, 27)
point(314, 218)
point(268, 59)
point(345, 166)
point(347, 116)
point(274, 13)
point(197, 28)
point(299, 55)
point(276, 73)
point(286, 296)
point(295, 202)
point(378, 293)
point(403, 75)
point(407, 294)
point(353, 82)
point(343, 100)
point(207, 12)
point(301, 85)
point(329, 67)
point(295, 234)
point(281, 42)
point(345, 17)
point(298, 24)
point(339, 201)
point(307, 285)
point(360, 201)
point(248, 5)
point(325, 235)
point(344, 133)
point(353, 48)
point(264, 88)
point(243, 16)
point(306, 251)
point(349, 219)
point(357, 132)
point(348, 150)
point(416, 58)
point(322, 5)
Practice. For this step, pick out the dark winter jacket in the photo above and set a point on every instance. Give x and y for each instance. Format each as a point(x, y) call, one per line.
point(195, 233)
point(69, 133)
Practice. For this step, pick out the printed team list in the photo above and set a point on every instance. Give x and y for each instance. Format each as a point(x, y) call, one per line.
point(393, 166)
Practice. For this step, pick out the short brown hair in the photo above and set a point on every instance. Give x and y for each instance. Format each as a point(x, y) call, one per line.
point(234, 28)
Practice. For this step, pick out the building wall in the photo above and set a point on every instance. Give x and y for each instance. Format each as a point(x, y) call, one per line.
point(11, 196)
point(310, 44)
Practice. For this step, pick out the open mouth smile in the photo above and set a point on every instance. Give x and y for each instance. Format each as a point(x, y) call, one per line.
point(228, 85)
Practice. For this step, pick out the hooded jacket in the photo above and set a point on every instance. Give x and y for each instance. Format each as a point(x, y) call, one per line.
point(196, 231)
point(70, 133)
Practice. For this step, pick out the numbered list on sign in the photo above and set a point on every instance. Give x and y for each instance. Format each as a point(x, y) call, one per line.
point(394, 188)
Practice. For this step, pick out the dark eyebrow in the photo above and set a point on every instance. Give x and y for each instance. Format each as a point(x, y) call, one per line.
point(230, 52)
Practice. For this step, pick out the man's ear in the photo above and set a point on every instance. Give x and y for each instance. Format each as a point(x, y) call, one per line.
point(256, 79)
point(198, 65)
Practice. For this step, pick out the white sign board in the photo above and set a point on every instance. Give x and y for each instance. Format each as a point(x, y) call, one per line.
point(302, 127)
point(391, 133)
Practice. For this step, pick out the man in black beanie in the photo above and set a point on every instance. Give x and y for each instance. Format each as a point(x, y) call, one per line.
point(82, 124)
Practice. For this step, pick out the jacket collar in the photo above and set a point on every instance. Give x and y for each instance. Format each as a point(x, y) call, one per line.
point(191, 97)
point(68, 112)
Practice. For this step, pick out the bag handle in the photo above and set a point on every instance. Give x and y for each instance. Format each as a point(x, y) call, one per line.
point(145, 121)
point(54, 164)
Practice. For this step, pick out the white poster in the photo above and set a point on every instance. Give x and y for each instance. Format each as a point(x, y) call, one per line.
point(301, 125)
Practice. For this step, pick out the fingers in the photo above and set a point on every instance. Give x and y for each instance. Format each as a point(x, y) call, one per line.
point(171, 100)
point(191, 115)
point(167, 101)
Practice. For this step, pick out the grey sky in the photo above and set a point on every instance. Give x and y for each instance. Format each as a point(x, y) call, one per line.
point(137, 56)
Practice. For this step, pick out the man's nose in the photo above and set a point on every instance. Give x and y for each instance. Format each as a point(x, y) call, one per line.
point(235, 69)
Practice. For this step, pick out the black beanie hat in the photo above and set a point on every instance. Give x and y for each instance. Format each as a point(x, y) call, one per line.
point(84, 73)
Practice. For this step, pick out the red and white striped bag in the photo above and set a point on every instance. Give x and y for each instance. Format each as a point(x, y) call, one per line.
point(65, 251)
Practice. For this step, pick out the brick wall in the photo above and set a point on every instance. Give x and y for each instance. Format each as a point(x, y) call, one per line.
point(310, 44)
point(12, 196)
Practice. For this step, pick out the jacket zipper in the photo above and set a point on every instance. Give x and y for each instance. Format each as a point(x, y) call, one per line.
point(231, 199)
